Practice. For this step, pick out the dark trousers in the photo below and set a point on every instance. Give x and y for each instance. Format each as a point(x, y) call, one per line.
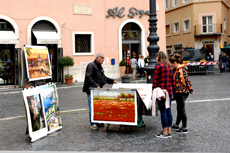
point(181, 114)
point(141, 71)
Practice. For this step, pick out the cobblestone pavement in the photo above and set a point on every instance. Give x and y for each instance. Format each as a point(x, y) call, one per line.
point(208, 124)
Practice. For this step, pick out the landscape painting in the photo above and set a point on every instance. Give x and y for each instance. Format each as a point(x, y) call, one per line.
point(51, 106)
point(114, 106)
point(37, 63)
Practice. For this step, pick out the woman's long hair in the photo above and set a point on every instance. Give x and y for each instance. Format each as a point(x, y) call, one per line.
point(175, 58)
point(162, 58)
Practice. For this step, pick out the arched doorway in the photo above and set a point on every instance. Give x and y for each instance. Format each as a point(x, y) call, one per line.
point(44, 31)
point(131, 41)
point(131, 38)
point(8, 52)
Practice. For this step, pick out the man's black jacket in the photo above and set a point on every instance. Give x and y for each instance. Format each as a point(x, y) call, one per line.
point(94, 77)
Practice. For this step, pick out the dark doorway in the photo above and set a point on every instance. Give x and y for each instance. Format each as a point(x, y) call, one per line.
point(7, 64)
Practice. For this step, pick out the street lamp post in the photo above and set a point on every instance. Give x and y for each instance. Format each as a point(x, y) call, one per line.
point(153, 48)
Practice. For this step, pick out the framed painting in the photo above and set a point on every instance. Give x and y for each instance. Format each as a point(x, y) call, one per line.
point(37, 63)
point(34, 113)
point(114, 106)
point(49, 98)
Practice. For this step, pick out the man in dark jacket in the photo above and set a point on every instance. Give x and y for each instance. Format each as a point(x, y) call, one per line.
point(95, 78)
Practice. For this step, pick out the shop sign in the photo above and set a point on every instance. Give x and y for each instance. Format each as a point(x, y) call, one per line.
point(132, 12)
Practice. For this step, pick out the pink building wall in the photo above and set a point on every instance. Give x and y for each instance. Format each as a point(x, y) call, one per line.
point(23, 12)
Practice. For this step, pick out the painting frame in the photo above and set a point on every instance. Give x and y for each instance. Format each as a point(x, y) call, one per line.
point(52, 115)
point(38, 119)
point(114, 92)
point(42, 63)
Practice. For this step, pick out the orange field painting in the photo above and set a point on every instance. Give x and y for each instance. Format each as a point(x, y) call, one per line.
point(114, 106)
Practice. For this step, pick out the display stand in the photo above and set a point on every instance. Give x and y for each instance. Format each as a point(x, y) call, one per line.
point(40, 98)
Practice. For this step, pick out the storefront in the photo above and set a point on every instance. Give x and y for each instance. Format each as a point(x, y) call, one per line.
point(80, 30)
point(44, 33)
point(9, 70)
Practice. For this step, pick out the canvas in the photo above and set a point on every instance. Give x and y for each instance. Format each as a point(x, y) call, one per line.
point(34, 113)
point(49, 98)
point(144, 91)
point(37, 63)
point(114, 106)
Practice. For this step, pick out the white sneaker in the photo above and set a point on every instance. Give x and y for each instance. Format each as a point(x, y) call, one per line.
point(94, 127)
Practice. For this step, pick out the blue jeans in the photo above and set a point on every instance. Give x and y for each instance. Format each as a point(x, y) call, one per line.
point(89, 104)
point(166, 114)
point(225, 66)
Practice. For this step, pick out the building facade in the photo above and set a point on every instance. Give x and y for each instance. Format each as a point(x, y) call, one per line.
point(197, 24)
point(76, 28)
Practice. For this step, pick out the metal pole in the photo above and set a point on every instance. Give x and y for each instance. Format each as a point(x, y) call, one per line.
point(153, 48)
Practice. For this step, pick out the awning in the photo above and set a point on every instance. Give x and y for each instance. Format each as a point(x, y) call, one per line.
point(47, 37)
point(8, 37)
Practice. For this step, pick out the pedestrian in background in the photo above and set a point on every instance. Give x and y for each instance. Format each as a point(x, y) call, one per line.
point(181, 92)
point(164, 79)
point(141, 65)
point(225, 62)
point(220, 63)
point(133, 64)
point(95, 77)
point(210, 58)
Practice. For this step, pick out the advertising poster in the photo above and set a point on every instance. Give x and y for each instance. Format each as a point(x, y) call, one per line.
point(37, 63)
point(34, 113)
point(51, 106)
point(114, 106)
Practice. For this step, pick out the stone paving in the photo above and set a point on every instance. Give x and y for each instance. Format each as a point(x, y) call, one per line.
point(208, 124)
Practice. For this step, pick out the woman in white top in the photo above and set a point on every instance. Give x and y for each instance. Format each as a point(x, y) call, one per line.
point(141, 65)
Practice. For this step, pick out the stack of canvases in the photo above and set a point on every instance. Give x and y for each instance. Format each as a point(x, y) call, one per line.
point(42, 110)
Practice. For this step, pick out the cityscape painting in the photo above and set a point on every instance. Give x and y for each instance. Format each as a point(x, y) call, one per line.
point(114, 106)
point(51, 107)
point(37, 63)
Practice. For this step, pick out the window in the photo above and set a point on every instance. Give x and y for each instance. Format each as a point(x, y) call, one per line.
point(207, 24)
point(166, 4)
point(83, 43)
point(175, 2)
point(224, 24)
point(176, 27)
point(186, 25)
point(184, 1)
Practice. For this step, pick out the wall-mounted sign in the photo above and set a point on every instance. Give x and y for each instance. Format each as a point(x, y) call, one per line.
point(132, 12)
point(82, 9)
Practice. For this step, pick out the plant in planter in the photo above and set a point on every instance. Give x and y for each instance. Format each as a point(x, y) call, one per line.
point(122, 66)
point(67, 61)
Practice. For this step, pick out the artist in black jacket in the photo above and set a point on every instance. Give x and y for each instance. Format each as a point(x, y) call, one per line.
point(95, 77)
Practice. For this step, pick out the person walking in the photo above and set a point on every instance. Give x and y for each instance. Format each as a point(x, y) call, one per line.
point(95, 77)
point(133, 64)
point(181, 92)
point(164, 79)
point(220, 63)
point(141, 65)
point(210, 58)
point(225, 62)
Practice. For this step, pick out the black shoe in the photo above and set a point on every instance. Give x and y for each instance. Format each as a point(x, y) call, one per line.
point(161, 135)
point(169, 135)
point(182, 130)
point(175, 127)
